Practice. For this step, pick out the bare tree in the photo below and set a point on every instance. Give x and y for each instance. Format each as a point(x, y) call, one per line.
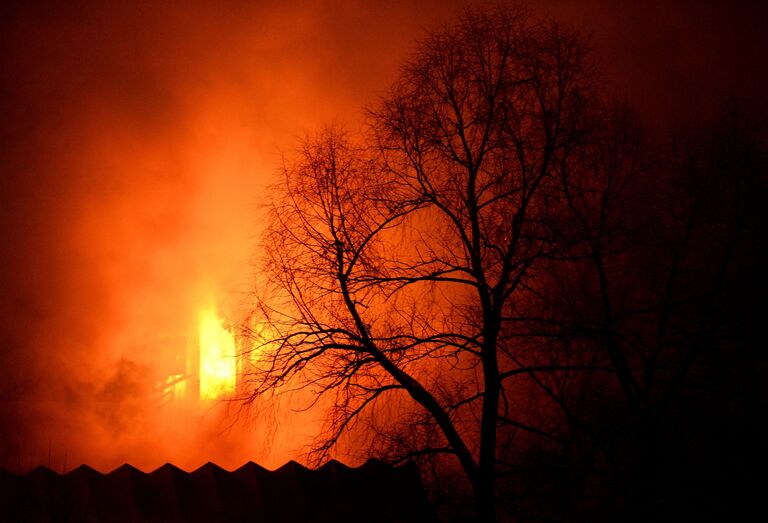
point(503, 270)
point(406, 269)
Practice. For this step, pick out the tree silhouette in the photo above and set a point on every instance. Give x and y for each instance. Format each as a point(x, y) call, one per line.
point(491, 258)
point(399, 269)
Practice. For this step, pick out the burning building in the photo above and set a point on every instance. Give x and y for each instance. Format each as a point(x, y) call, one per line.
point(206, 364)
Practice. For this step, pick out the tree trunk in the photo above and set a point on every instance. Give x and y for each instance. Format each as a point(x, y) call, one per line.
point(485, 502)
point(485, 482)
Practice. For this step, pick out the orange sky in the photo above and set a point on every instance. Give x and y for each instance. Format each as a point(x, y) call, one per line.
point(137, 142)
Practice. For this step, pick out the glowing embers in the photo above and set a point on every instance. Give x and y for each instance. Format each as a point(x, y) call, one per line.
point(218, 356)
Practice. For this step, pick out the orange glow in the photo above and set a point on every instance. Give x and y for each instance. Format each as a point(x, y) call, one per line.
point(137, 159)
point(218, 357)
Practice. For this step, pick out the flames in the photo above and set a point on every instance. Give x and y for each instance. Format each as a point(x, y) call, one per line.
point(211, 363)
point(218, 356)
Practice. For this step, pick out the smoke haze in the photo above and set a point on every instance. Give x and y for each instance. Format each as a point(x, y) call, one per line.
point(136, 144)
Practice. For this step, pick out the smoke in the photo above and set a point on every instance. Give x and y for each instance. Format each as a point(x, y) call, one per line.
point(137, 141)
point(676, 60)
point(136, 144)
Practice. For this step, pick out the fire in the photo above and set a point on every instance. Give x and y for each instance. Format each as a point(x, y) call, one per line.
point(218, 356)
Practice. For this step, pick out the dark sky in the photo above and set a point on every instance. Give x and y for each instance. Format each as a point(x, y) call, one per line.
point(136, 142)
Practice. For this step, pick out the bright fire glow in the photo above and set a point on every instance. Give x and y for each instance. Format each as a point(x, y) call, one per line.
point(218, 357)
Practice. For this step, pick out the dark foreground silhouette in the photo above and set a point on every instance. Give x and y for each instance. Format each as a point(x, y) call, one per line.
point(372, 492)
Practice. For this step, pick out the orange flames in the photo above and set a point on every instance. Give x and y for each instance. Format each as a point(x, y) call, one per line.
point(218, 356)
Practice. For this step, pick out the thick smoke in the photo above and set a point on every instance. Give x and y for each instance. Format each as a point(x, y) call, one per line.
point(136, 142)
